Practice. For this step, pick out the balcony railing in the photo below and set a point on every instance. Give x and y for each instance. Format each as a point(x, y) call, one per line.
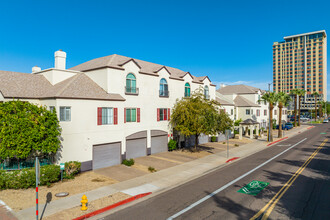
point(131, 90)
point(164, 93)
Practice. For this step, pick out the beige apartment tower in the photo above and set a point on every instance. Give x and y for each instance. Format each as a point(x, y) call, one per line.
point(300, 62)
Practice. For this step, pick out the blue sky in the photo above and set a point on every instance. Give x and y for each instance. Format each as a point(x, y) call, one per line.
point(230, 41)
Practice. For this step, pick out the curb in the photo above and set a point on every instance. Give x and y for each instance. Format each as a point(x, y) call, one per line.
point(232, 159)
point(277, 141)
point(131, 199)
point(310, 127)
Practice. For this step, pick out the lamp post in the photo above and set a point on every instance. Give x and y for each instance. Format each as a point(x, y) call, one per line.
point(269, 115)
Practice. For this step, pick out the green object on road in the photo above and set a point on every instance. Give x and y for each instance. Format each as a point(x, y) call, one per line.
point(323, 133)
point(253, 188)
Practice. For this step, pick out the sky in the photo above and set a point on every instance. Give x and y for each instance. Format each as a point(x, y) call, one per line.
point(230, 41)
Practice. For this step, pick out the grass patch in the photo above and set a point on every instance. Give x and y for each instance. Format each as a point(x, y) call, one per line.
point(152, 170)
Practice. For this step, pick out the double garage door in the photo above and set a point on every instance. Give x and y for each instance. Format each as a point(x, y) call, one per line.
point(106, 155)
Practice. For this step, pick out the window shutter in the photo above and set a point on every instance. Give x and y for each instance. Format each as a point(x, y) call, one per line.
point(158, 115)
point(99, 116)
point(138, 114)
point(115, 116)
point(124, 115)
point(168, 114)
point(165, 114)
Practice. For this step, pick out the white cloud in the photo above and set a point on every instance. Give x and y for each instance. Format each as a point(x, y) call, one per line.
point(260, 85)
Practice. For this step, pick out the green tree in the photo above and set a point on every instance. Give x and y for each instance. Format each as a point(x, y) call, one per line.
point(321, 104)
point(315, 94)
point(295, 92)
point(301, 92)
point(197, 115)
point(283, 100)
point(271, 98)
point(27, 130)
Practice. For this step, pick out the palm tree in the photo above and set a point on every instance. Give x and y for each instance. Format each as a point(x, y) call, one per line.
point(315, 94)
point(271, 98)
point(301, 93)
point(295, 92)
point(283, 100)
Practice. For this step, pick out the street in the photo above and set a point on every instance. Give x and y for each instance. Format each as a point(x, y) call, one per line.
point(296, 169)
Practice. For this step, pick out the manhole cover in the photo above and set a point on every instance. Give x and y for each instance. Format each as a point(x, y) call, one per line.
point(61, 194)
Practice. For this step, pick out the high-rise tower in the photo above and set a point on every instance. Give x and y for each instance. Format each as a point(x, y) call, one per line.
point(300, 62)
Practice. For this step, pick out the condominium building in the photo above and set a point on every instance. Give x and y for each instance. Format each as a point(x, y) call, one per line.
point(110, 108)
point(300, 62)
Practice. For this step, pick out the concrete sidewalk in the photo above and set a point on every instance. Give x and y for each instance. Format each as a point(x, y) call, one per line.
point(158, 181)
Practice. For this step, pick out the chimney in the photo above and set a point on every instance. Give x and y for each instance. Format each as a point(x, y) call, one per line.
point(36, 69)
point(60, 59)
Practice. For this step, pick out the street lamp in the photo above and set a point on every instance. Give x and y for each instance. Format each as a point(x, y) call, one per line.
point(269, 115)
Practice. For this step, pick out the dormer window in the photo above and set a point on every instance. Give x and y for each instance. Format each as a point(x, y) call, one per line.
point(163, 88)
point(206, 92)
point(130, 88)
point(187, 90)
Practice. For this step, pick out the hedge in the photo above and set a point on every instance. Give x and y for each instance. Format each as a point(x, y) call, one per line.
point(26, 178)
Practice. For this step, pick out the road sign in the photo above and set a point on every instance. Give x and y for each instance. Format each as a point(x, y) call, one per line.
point(62, 166)
point(227, 133)
point(253, 188)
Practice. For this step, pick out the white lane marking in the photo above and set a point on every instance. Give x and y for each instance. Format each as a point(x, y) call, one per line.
point(230, 183)
point(2, 203)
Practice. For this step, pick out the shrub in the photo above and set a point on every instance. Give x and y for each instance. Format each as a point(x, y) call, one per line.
point(236, 145)
point(71, 169)
point(151, 169)
point(26, 178)
point(236, 132)
point(129, 162)
point(213, 139)
point(236, 123)
point(171, 145)
point(223, 142)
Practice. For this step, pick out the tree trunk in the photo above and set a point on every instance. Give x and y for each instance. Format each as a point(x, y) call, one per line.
point(315, 109)
point(280, 106)
point(295, 110)
point(299, 110)
point(196, 141)
point(320, 111)
point(271, 107)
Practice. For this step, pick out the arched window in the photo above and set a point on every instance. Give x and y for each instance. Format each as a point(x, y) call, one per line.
point(131, 84)
point(206, 92)
point(163, 88)
point(187, 90)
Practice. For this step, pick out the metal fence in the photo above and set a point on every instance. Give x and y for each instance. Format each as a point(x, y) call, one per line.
point(13, 164)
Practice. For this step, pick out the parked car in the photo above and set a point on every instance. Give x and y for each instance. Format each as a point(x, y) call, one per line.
point(286, 126)
point(325, 121)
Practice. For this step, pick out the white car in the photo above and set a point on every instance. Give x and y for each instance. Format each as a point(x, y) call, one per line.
point(325, 121)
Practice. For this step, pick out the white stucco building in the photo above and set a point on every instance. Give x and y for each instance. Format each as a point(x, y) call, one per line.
point(110, 108)
point(241, 102)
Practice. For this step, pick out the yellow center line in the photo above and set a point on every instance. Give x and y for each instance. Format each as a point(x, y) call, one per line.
point(286, 186)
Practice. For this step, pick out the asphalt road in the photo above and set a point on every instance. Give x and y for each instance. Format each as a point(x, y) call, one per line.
point(299, 186)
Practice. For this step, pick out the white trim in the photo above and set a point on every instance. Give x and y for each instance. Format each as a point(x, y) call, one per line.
point(309, 33)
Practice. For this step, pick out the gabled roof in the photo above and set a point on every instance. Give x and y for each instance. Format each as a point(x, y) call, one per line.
point(36, 86)
point(238, 89)
point(117, 61)
point(223, 102)
point(243, 102)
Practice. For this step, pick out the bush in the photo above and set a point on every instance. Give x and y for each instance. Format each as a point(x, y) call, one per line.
point(26, 178)
point(213, 139)
point(236, 145)
point(172, 145)
point(129, 162)
point(72, 168)
point(151, 169)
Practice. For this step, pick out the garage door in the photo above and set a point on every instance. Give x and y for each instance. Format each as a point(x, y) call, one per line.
point(159, 144)
point(136, 148)
point(106, 155)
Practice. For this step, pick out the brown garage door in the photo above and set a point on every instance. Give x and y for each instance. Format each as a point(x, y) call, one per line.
point(105, 155)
